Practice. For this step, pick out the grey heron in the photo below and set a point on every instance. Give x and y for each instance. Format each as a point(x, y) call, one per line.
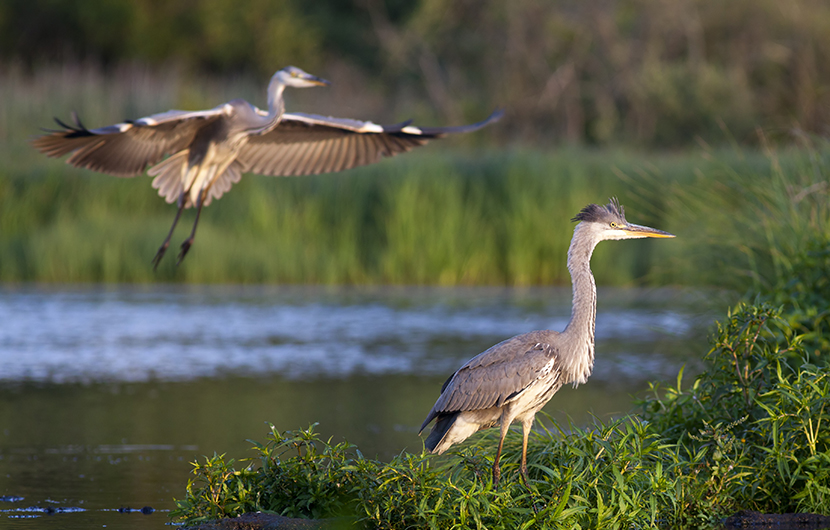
point(196, 156)
point(514, 379)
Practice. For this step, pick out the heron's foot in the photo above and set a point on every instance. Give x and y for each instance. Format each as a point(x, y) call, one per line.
point(523, 474)
point(496, 475)
point(185, 247)
point(160, 254)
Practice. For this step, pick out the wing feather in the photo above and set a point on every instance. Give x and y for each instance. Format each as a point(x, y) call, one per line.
point(168, 176)
point(321, 156)
point(301, 160)
point(125, 149)
point(337, 153)
point(231, 176)
point(497, 375)
point(307, 144)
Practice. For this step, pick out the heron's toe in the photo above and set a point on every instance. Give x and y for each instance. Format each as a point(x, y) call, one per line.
point(185, 247)
point(160, 254)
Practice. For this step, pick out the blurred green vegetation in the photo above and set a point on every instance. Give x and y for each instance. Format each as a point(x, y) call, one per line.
point(637, 72)
point(473, 218)
point(628, 75)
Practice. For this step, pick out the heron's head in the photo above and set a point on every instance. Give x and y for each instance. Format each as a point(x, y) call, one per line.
point(294, 77)
point(608, 222)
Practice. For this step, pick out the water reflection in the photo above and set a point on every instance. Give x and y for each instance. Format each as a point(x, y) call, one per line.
point(107, 394)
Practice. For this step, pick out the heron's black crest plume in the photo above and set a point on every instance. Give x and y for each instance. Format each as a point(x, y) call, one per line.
point(594, 213)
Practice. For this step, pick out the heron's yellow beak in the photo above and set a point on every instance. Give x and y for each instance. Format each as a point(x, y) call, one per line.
point(644, 231)
point(314, 80)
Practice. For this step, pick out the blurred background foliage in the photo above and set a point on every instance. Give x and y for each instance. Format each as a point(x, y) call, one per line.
point(651, 73)
point(704, 117)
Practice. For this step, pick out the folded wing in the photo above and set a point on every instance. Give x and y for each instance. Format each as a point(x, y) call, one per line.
point(495, 376)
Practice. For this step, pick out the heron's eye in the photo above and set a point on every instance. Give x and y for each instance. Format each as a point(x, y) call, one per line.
point(613, 224)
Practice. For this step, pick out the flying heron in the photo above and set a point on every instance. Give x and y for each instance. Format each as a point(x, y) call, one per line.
point(207, 151)
point(514, 379)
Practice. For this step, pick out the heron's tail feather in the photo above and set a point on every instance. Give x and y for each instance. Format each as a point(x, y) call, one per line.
point(168, 175)
point(442, 425)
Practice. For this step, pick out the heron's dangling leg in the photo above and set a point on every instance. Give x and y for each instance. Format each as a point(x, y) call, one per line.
point(163, 248)
point(189, 241)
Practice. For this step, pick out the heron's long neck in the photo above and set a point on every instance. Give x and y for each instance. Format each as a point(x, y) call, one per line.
point(579, 333)
point(276, 104)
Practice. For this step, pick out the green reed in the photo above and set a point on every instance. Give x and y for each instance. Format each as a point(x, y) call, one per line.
point(428, 217)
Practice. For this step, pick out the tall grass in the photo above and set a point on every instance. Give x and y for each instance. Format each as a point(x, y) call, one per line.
point(429, 218)
point(749, 229)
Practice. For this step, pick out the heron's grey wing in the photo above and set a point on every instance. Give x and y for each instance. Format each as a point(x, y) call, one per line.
point(438, 132)
point(125, 149)
point(307, 144)
point(495, 376)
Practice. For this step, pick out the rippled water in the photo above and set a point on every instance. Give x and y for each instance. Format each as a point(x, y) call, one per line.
point(107, 393)
point(144, 335)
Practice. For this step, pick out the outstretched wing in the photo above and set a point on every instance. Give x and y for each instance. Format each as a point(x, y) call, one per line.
point(125, 149)
point(307, 144)
point(496, 375)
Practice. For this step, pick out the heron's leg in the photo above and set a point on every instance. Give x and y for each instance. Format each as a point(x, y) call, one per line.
point(189, 241)
point(526, 426)
point(505, 426)
point(163, 248)
point(496, 469)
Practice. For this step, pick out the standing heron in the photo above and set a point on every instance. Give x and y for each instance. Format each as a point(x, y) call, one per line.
point(207, 151)
point(514, 379)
